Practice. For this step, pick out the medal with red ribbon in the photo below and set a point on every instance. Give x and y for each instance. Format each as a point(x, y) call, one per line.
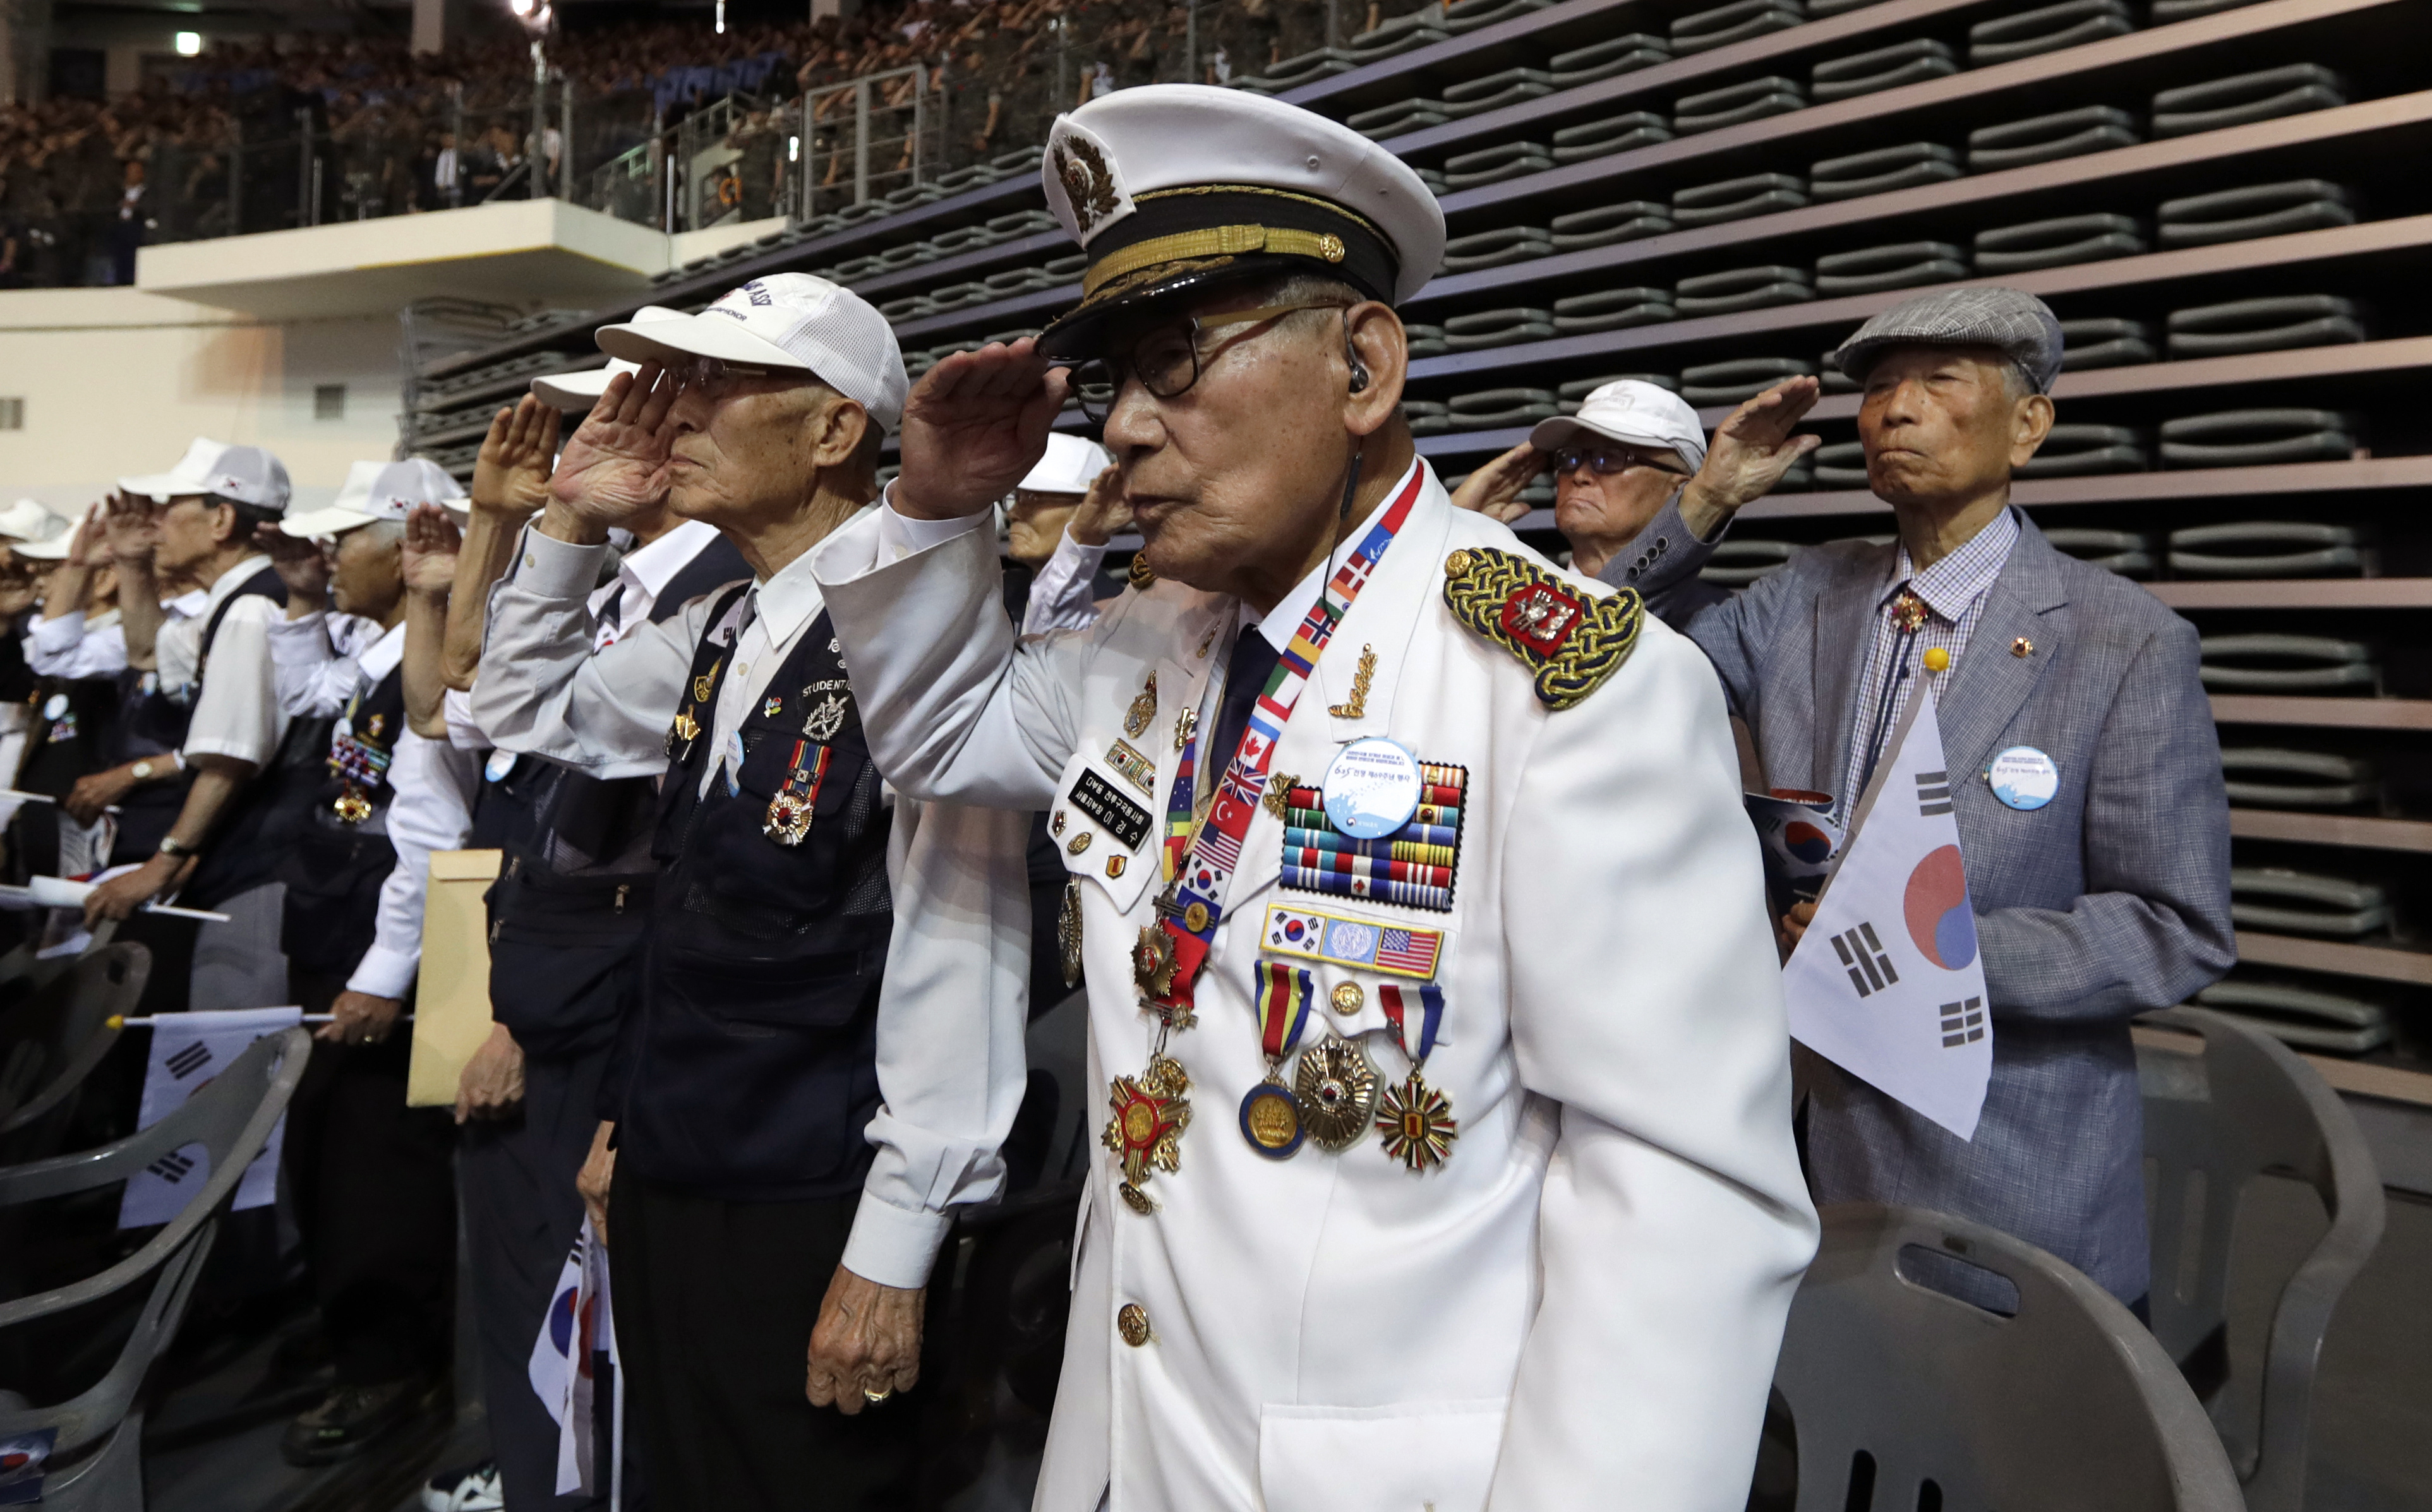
point(1271, 1116)
point(1414, 1119)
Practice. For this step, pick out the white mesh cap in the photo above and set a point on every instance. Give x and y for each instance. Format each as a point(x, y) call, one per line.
point(248, 475)
point(1072, 464)
point(1629, 409)
point(191, 476)
point(30, 520)
point(580, 391)
point(784, 320)
point(381, 490)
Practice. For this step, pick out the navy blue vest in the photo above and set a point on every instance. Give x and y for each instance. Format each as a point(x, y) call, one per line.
point(338, 858)
point(749, 1071)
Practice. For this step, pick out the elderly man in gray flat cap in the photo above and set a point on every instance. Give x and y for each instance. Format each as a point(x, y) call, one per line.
point(2100, 880)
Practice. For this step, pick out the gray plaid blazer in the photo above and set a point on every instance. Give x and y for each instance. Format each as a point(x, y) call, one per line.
point(2109, 900)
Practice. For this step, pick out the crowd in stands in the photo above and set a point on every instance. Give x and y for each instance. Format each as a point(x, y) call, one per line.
point(212, 150)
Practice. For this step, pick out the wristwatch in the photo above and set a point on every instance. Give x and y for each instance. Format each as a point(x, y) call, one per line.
point(141, 771)
point(175, 849)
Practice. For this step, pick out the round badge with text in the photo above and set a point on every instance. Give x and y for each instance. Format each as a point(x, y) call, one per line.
point(1371, 789)
point(2023, 778)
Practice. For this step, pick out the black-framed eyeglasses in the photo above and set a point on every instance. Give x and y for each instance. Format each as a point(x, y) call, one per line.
point(1167, 359)
point(713, 377)
point(1607, 461)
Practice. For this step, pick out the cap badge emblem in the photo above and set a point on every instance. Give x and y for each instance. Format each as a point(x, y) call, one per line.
point(1089, 183)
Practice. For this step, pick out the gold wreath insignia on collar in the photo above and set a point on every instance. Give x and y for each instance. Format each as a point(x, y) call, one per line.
point(1571, 638)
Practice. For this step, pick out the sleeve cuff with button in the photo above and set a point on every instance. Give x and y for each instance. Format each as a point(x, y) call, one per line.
point(386, 972)
point(900, 536)
point(893, 1246)
point(549, 568)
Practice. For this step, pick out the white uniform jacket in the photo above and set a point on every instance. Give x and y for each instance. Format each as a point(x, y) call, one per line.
point(1582, 1307)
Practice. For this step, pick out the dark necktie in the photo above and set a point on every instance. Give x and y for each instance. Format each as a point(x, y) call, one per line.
point(1245, 677)
point(610, 610)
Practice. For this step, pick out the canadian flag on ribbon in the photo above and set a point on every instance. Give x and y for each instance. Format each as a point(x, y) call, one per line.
point(579, 1325)
point(1886, 983)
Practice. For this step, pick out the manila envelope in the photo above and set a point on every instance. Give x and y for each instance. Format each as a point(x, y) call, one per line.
point(451, 1004)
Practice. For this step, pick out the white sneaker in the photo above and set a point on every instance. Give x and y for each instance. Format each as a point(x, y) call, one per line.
point(469, 1491)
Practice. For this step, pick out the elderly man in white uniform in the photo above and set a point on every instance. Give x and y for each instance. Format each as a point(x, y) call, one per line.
point(1449, 1159)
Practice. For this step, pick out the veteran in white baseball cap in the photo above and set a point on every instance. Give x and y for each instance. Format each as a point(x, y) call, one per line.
point(785, 323)
point(29, 528)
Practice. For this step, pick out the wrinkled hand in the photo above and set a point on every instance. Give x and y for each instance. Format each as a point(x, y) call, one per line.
point(359, 1018)
point(89, 547)
point(1794, 926)
point(492, 1082)
point(593, 1180)
point(432, 544)
point(96, 791)
point(867, 1339)
point(511, 474)
point(134, 526)
point(124, 894)
point(973, 426)
point(616, 464)
point(1102, 511)
point(1494, 489)
point(301, 564)
point(1751, 450)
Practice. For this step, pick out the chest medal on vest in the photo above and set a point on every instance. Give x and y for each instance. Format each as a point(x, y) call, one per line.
point(1143, 709)
point(1068, 931)
point(1337, 1088)
point(1148, 1115)
point(1572, 640)
point(826, 718)
point(1416, 1122)
point(789, 812)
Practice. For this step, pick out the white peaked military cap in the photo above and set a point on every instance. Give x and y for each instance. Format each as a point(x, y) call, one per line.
point(1632, 411)
point(30, 520)
point(1174, 187)
point(191, 476)
point(381, 490)
point(786, 320)
point(1072, 464)
point(580, 391)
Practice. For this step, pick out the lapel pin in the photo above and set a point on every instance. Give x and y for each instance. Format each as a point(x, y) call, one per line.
point(2022, 646)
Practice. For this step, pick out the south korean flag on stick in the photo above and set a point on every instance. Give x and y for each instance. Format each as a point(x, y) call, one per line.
point(188, 1050)
point(1887, 982)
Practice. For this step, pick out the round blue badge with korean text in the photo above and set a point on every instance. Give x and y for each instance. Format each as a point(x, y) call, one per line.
point(2023, 778)
point(498, 765)
point(1371, 789)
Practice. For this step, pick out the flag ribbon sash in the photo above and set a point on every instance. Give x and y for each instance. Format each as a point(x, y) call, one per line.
point(1396, 1001)
point(1207, 870)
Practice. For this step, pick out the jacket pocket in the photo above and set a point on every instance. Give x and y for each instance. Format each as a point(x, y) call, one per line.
point(1400, 1458)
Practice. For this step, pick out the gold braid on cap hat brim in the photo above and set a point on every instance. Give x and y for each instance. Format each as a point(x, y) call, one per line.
point(1225, 241)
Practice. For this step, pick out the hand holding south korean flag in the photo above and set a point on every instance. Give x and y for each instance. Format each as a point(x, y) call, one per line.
point(1887, 982)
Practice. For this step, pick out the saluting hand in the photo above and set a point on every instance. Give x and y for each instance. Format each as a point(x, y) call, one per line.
point(301, 564)
point(511, 475)
point(975, 425)
point(1494, 489)
point(431, 546)
point(134, 526)
point(1750, 452)
point(1103, 511)
point(616, 464)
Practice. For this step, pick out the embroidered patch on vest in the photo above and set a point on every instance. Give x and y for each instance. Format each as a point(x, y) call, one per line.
point(1572, 640)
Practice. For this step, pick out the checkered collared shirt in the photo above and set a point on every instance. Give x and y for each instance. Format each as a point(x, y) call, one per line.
point(1953, 591)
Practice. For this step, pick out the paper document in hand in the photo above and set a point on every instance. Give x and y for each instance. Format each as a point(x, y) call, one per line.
point(1887, 982)
point(188, 1050)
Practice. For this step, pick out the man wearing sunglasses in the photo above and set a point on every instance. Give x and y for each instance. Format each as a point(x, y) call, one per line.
point(827, 970)
point(1445, 1090)
point(1631, 449)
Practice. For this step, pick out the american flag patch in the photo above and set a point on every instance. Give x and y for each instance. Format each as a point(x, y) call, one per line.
point(1317, 934)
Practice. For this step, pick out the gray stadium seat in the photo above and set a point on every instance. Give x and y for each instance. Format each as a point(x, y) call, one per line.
point(2274, 662)
point(1492, 165)
point(2301, 1015)
point(1497, 327)
point(53, 1037)
point(2242, 100)
point(1737, 22)
point(1609, 223)
point(2048, 29)
point(2050, 138)
point(1873, 269)
point(1736, 199)
point(2286, 901)
point(2104, 342)
point(1902, 1396)
point(1602, 139)
point(2267, 548)
point(1469, 15)
point(2261, 210)
point(2057, 243)
point(96, 1462)
point(1736, 105)
point(2082, 450)
point(2245, 1108)
point(1503, 406)
point(1616, 55)
point(2273, 776)
point(2251, 438)
point(1885, 68)
point(2128, 553)
point(1738, 289)
point(1387, 120)
point(2269, 325)
point(1739, 380)
point(1495, 90)
point(1736, 563)
point(1882, 171)
point(1492, 249)
point(1613, 309)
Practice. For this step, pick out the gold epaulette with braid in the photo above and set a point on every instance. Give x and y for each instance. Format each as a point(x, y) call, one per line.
point(1571, 640)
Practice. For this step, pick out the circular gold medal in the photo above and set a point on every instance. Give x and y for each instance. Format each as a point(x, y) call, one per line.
point(1271, 1120)
point(1194, 918)
point(1337, 1090)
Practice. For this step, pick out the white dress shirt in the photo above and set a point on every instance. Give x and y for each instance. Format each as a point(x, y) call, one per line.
point(432, 810)
point(75, 645)
point(323, 657)
point(1062, 589)
point(236, 708)
point(951, 1056)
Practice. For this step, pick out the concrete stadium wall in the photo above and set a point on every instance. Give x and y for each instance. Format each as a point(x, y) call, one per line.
point(116, 381)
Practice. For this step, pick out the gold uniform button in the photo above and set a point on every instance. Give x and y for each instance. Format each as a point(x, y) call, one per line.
point(1132, 1322)
point(2022, 646)
point(1347, 997)
point(1457, 565)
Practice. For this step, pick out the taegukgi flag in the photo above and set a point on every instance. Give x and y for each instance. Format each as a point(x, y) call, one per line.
point(187, 1051)
point(1886, 983)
